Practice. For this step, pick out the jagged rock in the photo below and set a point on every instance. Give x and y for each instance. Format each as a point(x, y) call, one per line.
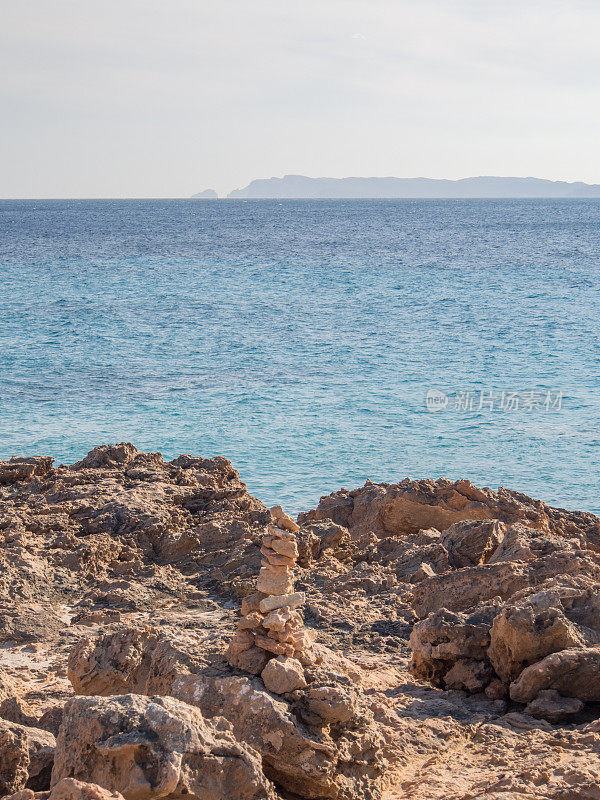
point(136, 660)
point(253, 660)
point(347, 767)
point(316, 538)
point(559, 615)
point(124, 537)
point(283, 520)
point(14, 759)
point(445, 640)
point(423, 571)
point(23, 469)
point(409, 506)
point(26, 757)
point(282, 675)
point(573, 673)
point(465, 588)
point(472, 543)
point(327, 705)
point(550, 705)
point(155, 748)
point(69, 789)
point(469, 674)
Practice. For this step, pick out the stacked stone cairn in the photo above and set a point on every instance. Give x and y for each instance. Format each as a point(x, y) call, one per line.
point(270, 640)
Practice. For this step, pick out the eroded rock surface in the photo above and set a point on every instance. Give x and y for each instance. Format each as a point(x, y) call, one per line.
point(146, 748)
point(128, 575)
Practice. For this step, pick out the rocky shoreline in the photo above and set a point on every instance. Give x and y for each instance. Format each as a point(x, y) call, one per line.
point(164, 633)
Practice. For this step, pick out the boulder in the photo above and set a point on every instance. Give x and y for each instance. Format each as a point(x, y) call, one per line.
point(572, 673)
point(26, 757)
point(348, 764)
point(541, 620)
point(156, 747)
point(464, 588)
point(69, 789)
point(330, 705)
point(135, 660)
point(550, 705)
point(472, 543)
point(283, 520)
point(282, 675)
point(274, 580)
point(446, 643)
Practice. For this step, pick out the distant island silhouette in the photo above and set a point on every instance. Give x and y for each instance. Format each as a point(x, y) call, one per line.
point(301, 187)
point(207, 194)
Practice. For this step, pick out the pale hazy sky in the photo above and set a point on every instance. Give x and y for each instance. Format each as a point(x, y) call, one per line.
point(163, 98)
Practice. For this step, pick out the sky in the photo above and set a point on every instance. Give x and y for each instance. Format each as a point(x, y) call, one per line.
point(164, 98)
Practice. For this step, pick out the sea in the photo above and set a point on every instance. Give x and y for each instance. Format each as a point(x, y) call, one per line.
point(316, 344)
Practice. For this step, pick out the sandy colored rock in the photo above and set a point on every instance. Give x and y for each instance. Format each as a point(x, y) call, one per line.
point(472, 543)
point(14, 759)
point(346, 767)
point(283, 520)
point(277, 560)
point(446, 638)
point(123, 538)
point(252, 660)
point(251, 621)
point(572, 673)
point(282, 675)
point(251, 603)
point(550, 705)
point(136, 660)
point(274, 580)
point(282, 618)
point(544, 620)
point(26, 757)
point(329, 705)
point(273, 646)
point(69, 789)
point(155, 748)
point(284, 547)
point(280, 601)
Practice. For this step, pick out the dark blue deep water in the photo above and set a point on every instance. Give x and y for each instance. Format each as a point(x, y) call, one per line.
point(300, 338)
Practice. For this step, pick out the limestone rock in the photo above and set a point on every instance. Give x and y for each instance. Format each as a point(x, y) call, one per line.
point(69, 789)
point(446, 638)
point(327, 705)
point(572, 673)
point(280, 601)
point(550, 705)
point(543, 620)
point(134, 660)
point(346, 767)
point(155, 748)
point(23, 469)
point(26, 757)
point(14, 759)
point(283, 520)
point(274, 580)
point(472, 543)
point(282, 675)
point(465, 588)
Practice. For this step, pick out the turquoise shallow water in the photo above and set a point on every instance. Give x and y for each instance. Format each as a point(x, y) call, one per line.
point(300, 338)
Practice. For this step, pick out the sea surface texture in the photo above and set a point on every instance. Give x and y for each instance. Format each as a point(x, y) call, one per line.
point(317, 344)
